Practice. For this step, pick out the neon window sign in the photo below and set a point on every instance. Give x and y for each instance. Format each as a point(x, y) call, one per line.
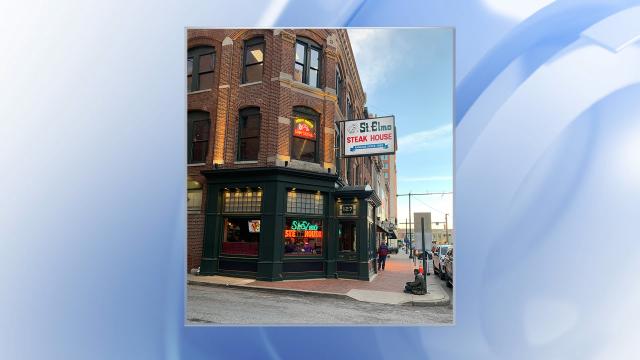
point(304, 128)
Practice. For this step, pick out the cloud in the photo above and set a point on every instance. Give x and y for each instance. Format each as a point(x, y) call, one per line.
point(420, 140)
point(375, 51)
point(425, 178)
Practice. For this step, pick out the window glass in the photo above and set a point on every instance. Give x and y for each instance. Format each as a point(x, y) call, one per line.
point(206, 62)
point(241, 236)
point(242, 201)
point(313, 77)
point(304, 149)
point(198, 132)
point(255, 54)
point(249, 135)
point(299, 53)
point(206, 81)
point(303, 237)
point(305, 203)
point(190, 66)
point(307, 63)
point(200, 66)
point(253, 60)
point(194, 200)
point(297, 72)
point(314, 59)
point(253, 73)
point(347, 235)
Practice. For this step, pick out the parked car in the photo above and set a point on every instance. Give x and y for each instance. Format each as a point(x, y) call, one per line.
point(438, 259)
point(448, 268)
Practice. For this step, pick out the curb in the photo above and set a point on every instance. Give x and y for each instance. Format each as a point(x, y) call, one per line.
point(443, 302)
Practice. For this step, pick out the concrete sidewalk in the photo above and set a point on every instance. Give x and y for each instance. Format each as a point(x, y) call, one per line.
point(386, 288)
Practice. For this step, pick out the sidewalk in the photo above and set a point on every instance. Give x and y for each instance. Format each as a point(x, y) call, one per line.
point(386, 288)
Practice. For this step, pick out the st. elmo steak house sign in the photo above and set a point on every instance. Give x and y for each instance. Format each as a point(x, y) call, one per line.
point(370, 136)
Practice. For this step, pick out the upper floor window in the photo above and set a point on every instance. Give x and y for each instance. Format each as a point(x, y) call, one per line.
point(307, 64)
point(253, 60)
point(349, 112)
point(198, 136)
point(339, 86)
point(304, 144)
point(249, 134)
point(200, 64)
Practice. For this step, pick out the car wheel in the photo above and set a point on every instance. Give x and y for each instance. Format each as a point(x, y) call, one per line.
point(442, 275)
point(449, 284)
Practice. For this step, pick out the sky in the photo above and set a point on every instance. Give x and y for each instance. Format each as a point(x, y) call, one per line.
point(409, 73)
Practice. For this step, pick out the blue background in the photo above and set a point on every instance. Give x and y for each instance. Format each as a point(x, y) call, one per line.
point(547, 181)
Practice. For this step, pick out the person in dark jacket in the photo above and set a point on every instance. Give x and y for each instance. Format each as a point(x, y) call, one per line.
point(383, 251)
point(417, 286)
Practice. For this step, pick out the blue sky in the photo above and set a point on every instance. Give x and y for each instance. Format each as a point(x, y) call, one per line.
point(409, 73)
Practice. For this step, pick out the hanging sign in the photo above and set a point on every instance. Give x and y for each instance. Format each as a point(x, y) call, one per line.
point(367, 137)
point(304, 128)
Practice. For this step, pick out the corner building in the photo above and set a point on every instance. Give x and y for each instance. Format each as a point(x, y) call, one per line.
point(268, 195)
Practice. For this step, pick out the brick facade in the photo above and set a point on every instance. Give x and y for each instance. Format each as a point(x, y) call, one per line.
point(275, 95)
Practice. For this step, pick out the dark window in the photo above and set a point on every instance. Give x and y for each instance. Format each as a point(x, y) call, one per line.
point(241, 236)
point(200, 64)
point(253, 60)
point(249, 134)
point(349, 172)
point(304, 137)
point(339, 86)
point(307, 63)
point(349, 111)
point(347, 235)
point(336, 149)
point(198, 136)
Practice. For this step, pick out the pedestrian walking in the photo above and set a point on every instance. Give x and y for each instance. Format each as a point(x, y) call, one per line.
point(383, 251)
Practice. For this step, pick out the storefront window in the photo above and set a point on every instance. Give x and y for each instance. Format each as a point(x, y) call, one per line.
point(347, 235)
point(303, 237)
point(241, 236)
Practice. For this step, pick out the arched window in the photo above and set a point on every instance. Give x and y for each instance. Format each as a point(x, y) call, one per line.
point(304, 144)
point(200, 64)
point(249, 134)
point(307, 63)
point(198, 125)
point(253, 60)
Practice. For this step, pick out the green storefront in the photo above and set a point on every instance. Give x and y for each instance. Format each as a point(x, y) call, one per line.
point(279, 223)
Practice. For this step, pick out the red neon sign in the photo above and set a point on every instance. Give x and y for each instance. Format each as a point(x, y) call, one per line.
point(304, 234)
point(304, 128)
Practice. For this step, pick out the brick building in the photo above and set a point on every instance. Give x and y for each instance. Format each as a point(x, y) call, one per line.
point(268, 196)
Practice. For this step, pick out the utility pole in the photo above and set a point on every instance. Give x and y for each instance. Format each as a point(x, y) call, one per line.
point(410, 215)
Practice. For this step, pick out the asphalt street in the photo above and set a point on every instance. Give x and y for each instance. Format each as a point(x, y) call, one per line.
point(220, 305)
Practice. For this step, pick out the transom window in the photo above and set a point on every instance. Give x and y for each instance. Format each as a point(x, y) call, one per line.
point(198, 136)
point(253, 60)
point(307, 63)
point(305, 203)
point(249, 134)
point(200, 64)
point(242, 201)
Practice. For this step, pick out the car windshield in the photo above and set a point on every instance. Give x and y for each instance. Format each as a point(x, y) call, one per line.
point(443, 250)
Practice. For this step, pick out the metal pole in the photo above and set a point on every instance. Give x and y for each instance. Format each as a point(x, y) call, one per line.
point(411, 231)
point(446, 230)
point(424, 255)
